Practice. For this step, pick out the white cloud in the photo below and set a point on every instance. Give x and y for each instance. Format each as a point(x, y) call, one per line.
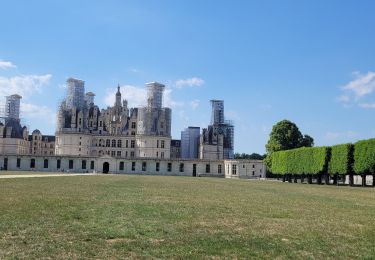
point(367, 105)
point(362, 85)
point(335, 135)
point(6, 65)
point(136, 96)
point(343, 99)
point(358, 90)
point(29, 110)
point(194, 104)
point(191, 82)
point(24, 85)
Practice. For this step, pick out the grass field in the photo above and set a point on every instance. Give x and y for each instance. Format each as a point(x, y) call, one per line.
point(182, 217)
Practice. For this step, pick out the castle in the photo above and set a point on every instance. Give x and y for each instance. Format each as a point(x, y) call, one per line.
point(84, 129)
point(119, 139)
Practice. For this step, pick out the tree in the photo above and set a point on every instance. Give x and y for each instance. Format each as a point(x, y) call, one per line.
point(307, 141)
point(253, 156)
point(285, 135)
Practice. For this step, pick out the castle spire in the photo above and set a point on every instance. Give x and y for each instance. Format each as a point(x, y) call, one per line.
point(118, 96)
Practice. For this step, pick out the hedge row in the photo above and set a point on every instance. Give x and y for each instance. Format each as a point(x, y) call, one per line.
point(339, 159)
point(305, 160)
point(364, 156)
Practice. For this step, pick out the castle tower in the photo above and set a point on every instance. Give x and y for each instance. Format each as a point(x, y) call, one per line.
point(12, 106)
point(217, 116)
point(76, 93)
point(118, 97)
point(89, 98)
point(155, 95)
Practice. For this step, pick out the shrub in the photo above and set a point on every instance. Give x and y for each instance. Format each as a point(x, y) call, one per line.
point(364, 156)
point(341, 161)
point(305, 160)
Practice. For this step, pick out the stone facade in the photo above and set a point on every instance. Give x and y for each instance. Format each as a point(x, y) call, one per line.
point(244, 169)
point(41, 144)
point(217, 140)
point(108, 164)
point(13, 137)
point(85, 130)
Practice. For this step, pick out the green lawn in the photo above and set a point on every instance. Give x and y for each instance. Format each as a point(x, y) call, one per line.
point(182, 217)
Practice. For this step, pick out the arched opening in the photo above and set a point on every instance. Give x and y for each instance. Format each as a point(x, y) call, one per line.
point(105, 167)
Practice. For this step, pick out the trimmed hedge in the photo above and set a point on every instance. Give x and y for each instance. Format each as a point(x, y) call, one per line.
point(364, 156)
point(341, 161)
point(305, 160)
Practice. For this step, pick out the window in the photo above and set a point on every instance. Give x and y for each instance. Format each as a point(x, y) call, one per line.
point(113, 143)
point(219, 168)
point(133, 166)
point(162, 154)
point(133, 125)
point(132, 144)
point(157, 143)
point(144, 166)
point(169, 167)
point(45, 164)
point(58, 164)
point(108, 143)
point(32, 163)
point(118, 153)
point(162, 144)
point(253, 166)
point(132, 154)
point(113, 153)
point(208, 168)
point(92, 165)
point(121, 166)
point(83, 164)
point(100, 123)
point(253, 172)
point(126, 154)
point(119, 143)
point(234, 169)
point(133, 133)
point(157, 166)
point(71, 164)
point(18, 162)
point(181, 167)
point(127, 143)
point(243, 166)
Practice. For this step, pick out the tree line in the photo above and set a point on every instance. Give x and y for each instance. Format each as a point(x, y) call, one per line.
point(329, 162)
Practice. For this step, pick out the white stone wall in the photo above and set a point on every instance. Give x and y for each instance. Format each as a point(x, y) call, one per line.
point(80, 144)
point(211, 168)
point(244, 169)
point(14, 146)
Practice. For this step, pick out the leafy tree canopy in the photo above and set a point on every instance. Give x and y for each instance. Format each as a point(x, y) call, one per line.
point(285, 135)
point(253, 156)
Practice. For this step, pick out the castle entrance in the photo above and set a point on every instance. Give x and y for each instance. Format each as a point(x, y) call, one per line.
point(105, 167)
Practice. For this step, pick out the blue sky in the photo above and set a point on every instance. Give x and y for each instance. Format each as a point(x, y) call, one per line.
point(312, 62)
